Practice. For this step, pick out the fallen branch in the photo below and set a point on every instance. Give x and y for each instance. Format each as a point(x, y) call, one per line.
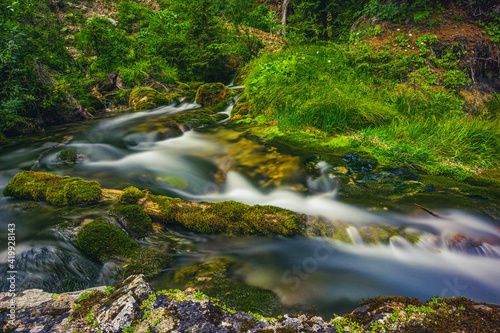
point(428, 211)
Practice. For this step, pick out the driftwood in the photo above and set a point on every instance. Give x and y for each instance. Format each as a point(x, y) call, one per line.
point(428, 211)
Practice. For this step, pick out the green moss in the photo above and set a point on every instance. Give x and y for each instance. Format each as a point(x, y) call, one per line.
point(79, 191)
point(175, 181)
point(148, 262)
point(230, 218)
point(211, 94)
point(221, 116)
point(214, 279)
point(167, 207)
point(324, 228)
point(377, 234)
point(145, 98)
point(134, 219)
point(485, 184)
point(68, 156)
point(130, 195)
point(192, 275)
point(57, 190)
point(101, 240)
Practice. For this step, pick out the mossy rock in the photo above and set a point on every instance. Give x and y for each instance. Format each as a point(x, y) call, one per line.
point(381, 234)
point(101, 240)
point(148, 262)
point(241, 108)
point(191, 276)
point(134, 219)
point(130, 195)
point(218, 279)
point(56, 190)
point(221, 116)
point(145, 98)
point(211, 94)
point(329, 229)
point(68, 156)
point(230, 218)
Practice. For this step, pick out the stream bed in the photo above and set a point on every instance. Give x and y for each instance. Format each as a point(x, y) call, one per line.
point(458, 254)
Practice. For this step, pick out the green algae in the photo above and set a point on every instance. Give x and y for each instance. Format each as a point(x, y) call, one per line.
point(230, 218)
point(149, 262)
point(218, 279)
point(59, 191)
point(134, 219)
point(101, 240)
point(130, 195)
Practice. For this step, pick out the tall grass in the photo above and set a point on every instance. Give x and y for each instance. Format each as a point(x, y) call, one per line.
point(315, 86)
point(414, 123)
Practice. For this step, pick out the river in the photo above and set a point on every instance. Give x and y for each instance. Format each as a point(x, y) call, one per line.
point(219, 163)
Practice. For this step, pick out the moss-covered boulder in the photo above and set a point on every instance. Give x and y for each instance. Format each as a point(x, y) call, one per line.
point(68, 156)
point(145, 98)
point(219, 279)
point(56, 190)
point(130, 195)
point(101, 240)
point(228, 217)
point(134, 219)
point(211, 94)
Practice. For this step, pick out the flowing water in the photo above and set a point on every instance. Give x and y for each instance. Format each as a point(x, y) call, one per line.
point(222, 163)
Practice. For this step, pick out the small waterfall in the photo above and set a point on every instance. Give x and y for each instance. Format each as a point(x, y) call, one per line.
point(355, 235)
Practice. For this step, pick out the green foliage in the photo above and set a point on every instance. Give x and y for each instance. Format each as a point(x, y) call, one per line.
point(101, 240)
point(329, 98)
point(104, 46)
point(398, 11)
point(387, 103)
point(315, 20)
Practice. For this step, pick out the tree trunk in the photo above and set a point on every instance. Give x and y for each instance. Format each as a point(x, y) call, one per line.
point(284, 12)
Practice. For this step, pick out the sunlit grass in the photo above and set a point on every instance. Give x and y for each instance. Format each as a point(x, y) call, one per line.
point(418, 125)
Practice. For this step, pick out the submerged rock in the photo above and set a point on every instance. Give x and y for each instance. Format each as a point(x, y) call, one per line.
point(218, 278)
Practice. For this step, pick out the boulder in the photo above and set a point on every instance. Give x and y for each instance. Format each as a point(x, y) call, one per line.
point(144, 98)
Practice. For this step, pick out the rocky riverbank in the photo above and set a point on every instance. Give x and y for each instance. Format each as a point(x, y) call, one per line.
point(134, 306)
